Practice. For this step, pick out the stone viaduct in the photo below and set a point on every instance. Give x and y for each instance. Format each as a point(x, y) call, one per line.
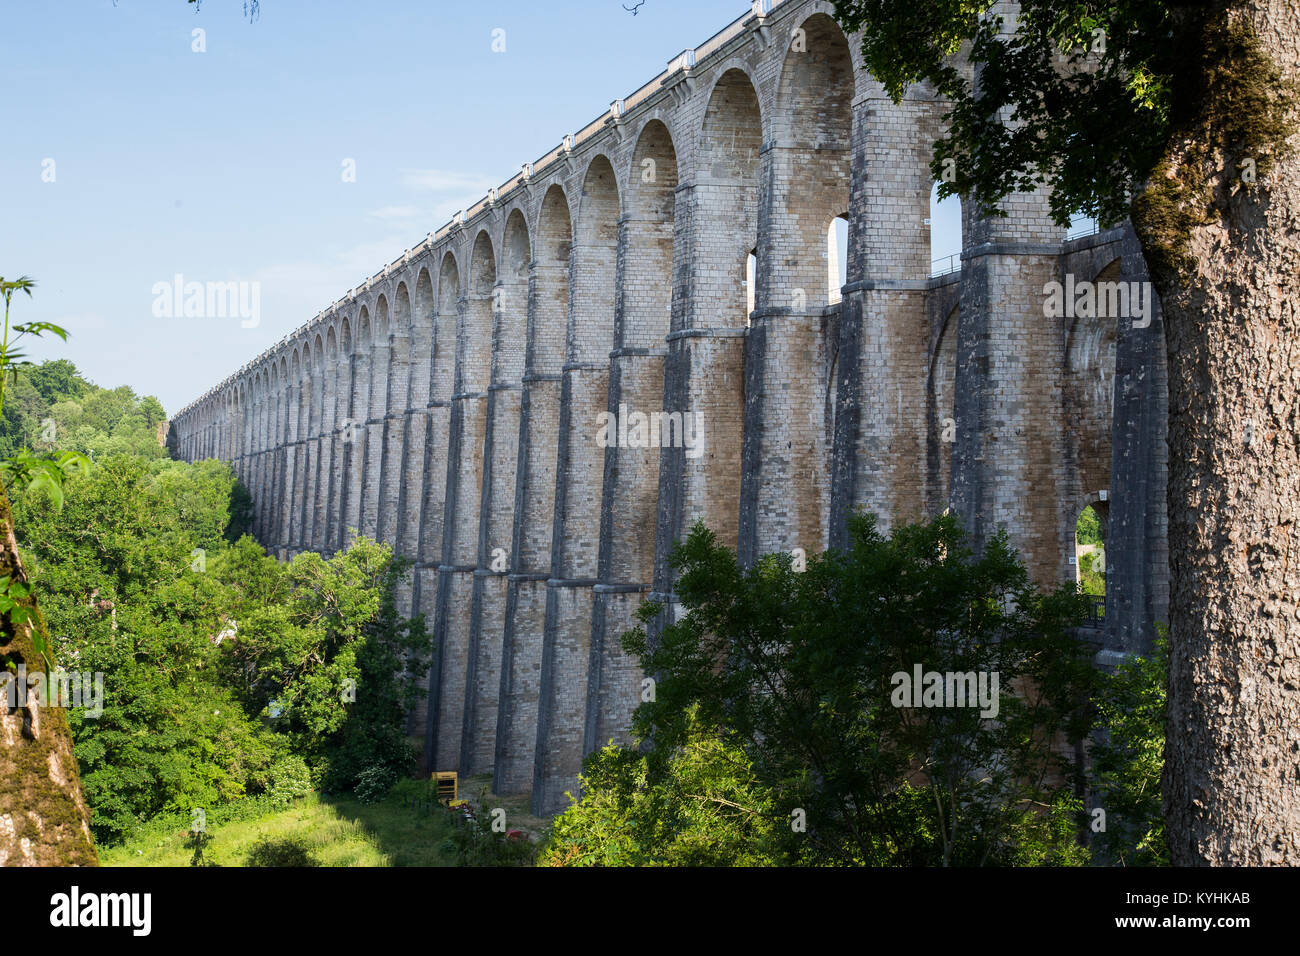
point(677, 256)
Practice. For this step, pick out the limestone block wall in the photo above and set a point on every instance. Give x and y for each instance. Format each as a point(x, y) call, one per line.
point(646, 327)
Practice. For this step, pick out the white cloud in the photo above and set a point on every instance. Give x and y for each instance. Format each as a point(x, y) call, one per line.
point(442, 180)
point(292, 292)
point(396, 213)
point(453, 191)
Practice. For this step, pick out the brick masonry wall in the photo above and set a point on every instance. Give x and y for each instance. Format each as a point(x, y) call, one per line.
point(451, 403)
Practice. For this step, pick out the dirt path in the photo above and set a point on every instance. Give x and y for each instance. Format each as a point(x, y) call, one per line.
point(477, 790)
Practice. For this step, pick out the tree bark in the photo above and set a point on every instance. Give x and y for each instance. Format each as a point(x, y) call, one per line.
point(1225, 258)
point(44, 820)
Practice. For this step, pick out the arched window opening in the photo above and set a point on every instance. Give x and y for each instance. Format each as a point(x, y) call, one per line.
point(751, 273)
point(945, 233)
point(837, 257)
point(943, 383)
point(1090, 556)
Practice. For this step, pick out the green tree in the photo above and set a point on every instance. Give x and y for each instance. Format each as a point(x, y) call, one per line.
point(227, 673)
point(132, 593)
point(41, 794)
point(1127, 761)
point(707, 808)
point(325, 655)
point(788, 686)
point(1088, 528)
point(57, 378)
point(1183, 117)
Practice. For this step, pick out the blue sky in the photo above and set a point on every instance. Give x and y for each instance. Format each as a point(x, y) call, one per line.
point(226, 164)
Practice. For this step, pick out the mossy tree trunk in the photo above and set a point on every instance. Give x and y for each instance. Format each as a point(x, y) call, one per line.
point(1225, 256)
point(44, 820)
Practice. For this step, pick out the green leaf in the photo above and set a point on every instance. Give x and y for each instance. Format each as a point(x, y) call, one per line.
point(39, 328)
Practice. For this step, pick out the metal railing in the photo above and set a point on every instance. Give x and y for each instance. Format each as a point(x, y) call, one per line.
point(1096, 618)
point(945, 266)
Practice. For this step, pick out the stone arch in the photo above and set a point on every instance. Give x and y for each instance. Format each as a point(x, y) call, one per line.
point(354, 421)
point(652, 178)
point(244, 417)
point(388, 379)
point(444, 360)
point(236, 413)
point(281, 454)
point(594, 266)
point(808, 172)
point(495, 487)
point(400, 360)
point(816, 89)
point(303, 373)
point(474, 370)
point(554, 245)
point(330, 383)
point(349, 349)
point(510, 334)
point(537, 463)
point(731, 135)
point(643, 315)
point(261, 439)
point(311, 485)
point(422, 321)
point(727, 159)
point(401, 309)
point(466, 470)
point(580, 470)
point(943, 394)
point(380, 326)
point(1090, 385)
point(363, 331)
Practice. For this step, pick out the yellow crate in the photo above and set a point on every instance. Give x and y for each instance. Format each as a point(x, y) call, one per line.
point(446, 783)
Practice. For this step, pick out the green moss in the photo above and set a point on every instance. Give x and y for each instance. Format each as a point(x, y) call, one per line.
point(1232, 105)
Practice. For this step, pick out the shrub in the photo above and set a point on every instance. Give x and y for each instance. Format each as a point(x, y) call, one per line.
point(288, 779)
point(374, 782)
point(289, 851)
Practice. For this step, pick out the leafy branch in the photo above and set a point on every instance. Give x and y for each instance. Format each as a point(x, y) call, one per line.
point(27, 470)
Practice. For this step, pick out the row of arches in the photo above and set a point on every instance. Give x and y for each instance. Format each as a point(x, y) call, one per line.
point(453, 413)
point(811, 111)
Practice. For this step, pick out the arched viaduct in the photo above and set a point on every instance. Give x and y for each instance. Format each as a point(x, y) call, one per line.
point(675, 257)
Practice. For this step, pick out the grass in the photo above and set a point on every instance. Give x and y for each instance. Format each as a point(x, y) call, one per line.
point(335, 831)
